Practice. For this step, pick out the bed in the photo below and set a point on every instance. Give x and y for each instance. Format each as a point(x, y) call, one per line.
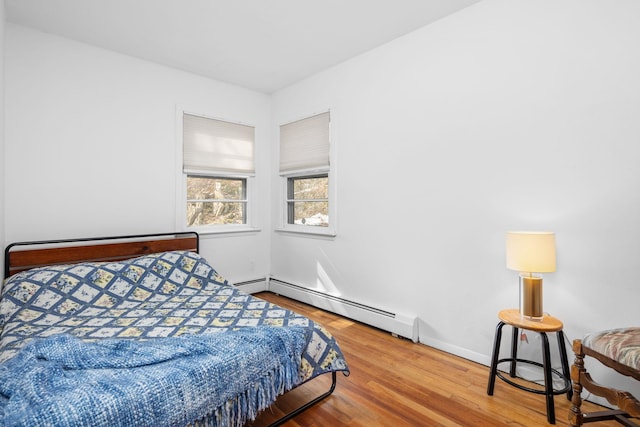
point(141, 330)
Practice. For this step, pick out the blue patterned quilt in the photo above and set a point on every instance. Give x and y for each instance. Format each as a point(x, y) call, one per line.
point(171, 294)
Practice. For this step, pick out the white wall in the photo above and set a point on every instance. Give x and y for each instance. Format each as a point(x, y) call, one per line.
point(509, 115)
point(91, 146)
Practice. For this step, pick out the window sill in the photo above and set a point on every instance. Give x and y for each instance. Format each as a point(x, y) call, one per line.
point(305, 231)
point(224, 230)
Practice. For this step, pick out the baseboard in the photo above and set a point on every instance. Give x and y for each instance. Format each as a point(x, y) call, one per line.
point(397, 323)
point(465, 353)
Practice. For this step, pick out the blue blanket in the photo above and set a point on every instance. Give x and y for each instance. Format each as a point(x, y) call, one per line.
point(229, 377)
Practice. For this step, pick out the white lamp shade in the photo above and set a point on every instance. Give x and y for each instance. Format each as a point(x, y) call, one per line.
point(531, 251)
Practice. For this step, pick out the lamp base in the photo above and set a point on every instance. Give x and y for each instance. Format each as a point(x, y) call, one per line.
point(531, 297)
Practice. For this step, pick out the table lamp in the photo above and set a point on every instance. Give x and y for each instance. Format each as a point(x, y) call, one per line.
point(531, 252)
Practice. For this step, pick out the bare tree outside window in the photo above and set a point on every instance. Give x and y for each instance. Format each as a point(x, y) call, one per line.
point(214, 200)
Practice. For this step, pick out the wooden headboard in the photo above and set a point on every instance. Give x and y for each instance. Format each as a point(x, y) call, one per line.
point(22, 256)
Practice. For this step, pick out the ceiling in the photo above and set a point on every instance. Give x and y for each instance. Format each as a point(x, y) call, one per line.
point(263, 45)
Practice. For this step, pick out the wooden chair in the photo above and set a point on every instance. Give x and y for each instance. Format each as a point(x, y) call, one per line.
point(618, 349)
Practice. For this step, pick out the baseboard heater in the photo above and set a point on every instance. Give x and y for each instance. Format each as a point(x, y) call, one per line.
point(399, 324)
point(252, 286)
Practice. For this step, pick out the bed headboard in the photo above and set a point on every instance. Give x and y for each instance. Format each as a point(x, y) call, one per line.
point(22, 256)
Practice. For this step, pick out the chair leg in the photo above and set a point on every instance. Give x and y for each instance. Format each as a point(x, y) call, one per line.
point(548, 383)
point(494, 359)
point(575, 415)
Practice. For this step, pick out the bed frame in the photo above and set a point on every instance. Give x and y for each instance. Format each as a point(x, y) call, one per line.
point(21, 256)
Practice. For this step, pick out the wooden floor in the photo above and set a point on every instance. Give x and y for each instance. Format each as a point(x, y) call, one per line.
point(395, 382)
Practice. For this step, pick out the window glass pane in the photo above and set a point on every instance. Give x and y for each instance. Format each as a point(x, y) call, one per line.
point(310, 188)
point(310, 213)
point(214, 200)
point(308, 200)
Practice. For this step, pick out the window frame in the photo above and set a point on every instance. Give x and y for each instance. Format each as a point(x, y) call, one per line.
point(181, 181)
point(291, 200)
point(330, 171)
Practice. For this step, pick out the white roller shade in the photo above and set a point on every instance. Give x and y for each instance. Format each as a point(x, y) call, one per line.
point(304, 144)
point(216, 146)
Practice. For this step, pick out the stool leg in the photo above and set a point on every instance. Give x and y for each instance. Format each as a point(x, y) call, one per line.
point(514, 352)
point(494, 359)
point(548, 384)
point(565, 361)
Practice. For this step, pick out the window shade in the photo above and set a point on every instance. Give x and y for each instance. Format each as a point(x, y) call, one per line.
point(304, 144)
point(216, 146)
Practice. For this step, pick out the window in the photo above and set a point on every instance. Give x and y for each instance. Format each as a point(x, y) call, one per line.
point(216, 200)
point(217, 167)
point(308, 200)
point(306, 175)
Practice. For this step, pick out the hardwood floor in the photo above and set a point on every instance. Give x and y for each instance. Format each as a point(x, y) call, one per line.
point(395, 382)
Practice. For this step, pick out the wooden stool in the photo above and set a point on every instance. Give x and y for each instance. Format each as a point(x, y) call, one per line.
point(546, 324)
